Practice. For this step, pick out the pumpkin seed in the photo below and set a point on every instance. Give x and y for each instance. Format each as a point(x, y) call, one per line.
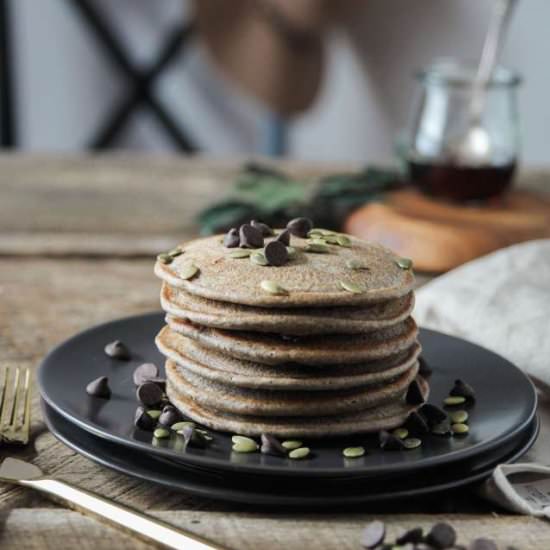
point(401, 433)
point(460, 428)
point(245, 445)
point(291, 252)
point(352, 263)
point(412, 443)
point(241, 438)
point(353, 452)
point(188, 272)
point(273, 288)
point(178, 426)
point(404, 263)
point(240, 253)
point(343, 240)
point(454, 400)
point(299, 453)
point(175, 252)
point(317, 247)
point(161, 433)
point(316, 231)
point(165, 258)
point(352, 287)
point(291, 444)
point(258, 258)
point(459, 417)
point(154, 414)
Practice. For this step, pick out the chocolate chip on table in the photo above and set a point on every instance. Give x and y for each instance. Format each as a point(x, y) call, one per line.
point(144, 373)
point(300, 227)
point(441, 536)
point(417, 424)
point(284, 237)
point(272, 446)
point(169, 416)
point(432, 414)
point(231, 238)
point(423, 368)
point(414, 394)
point(250, 237)
point(99, 388)
point(483, 544)
point(264, 228)
point(276, 253)
point(389, 442)
point(415, 536)
point(461, 389)
point(143, 420)
point(117, 350)
point(373, 534)
point(149, 394)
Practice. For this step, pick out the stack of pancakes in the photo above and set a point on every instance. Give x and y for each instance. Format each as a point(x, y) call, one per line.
point(326, 348)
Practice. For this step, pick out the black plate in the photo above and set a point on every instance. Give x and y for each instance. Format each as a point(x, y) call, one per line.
point(494, 419)
point(305, 494)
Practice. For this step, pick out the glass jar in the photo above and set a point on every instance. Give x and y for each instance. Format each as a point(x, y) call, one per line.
point(441, 119)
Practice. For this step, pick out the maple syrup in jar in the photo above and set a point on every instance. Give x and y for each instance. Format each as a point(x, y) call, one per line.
point(440, 121)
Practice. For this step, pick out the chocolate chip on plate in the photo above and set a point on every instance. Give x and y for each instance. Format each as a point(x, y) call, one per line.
point(144, 373)
point(193, 437)
point(373, 534)
point(441, 536)
point(143, 420)
point(432, 414)
point(149, 394)
point(117, 350)
point(423, 368)
point(272, 446)
point(250, 237)
point(389, 442)
point(99, 387)
point(461, 389)
point(300, 227)
point(264, 228)
point(284, 237)
point(231, 238)
point(417, 424)
point(276, 253)
point(170, 415)
point(414, 394)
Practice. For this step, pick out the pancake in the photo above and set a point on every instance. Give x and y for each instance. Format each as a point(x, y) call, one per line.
point(336, 349)
point(303, 321)
point(311, 279)
point(231, 399)
point(385, 417)
point(217, 367)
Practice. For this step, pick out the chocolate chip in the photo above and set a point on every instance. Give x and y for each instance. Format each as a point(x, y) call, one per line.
point(415, 536)
point(160, 382)
point(250, 237)
point(144, 373)
point(272, 446)
point(373, 534)
point(170, 415)
point(231, 238)
point(276, 253)
point(284, 237)
point(300, 227)
point(149, 394)
point(414, 394)
point(416, 424)
point(432, 414)
point(99, 387)
point(117, 350)
point(389, 442)
point(143, 420)
point(461, 389)
point(441, 536)
point(265, 230)
point(192, 437)
point(483, 544)
point(423, 368)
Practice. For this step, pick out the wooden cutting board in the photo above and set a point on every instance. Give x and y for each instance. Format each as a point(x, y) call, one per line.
point(439, 236)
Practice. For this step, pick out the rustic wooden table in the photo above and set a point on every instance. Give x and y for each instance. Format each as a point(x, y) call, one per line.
point(77, 241)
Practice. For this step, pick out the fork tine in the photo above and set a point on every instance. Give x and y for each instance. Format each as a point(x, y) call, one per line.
point(27, 411)
point(15, 398)
point(18, 395)
point(4, 397)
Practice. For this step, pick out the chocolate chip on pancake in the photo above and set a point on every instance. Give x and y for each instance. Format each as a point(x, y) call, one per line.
point(231, 238)
point(264, 228)
point(276, 253)
point(300, 227)
point(250, 237)
point(284, 237)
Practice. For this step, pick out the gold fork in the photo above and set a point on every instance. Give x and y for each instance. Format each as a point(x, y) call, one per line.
point(15, 406)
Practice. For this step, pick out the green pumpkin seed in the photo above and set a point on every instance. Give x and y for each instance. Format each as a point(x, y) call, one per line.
point(161, 433)
point(460, 428)
point(299, 453)
point(165, 258)
point(175, 252)
point(412, 443)
point(273, 288)
point(343, 240)
point(352, 263)
point(258, 258)
point(245, 445)
point(353, 452)
point(291, 251)
point(352, 287)
point(318, 247)
point(404, 263)
point(204, 434)
point(240, 253)
point(241, 438)
point(453, 400)
point(178, 426)
point(401, 433)
point(154, 414)
point(459, 417)
point(317, 231)
point(291, 444)
point(188, 271)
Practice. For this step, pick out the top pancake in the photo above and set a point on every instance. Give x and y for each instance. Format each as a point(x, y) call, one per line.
point(310, 279)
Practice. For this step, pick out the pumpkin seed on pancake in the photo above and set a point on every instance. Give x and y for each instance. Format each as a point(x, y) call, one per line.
point(334, 349)
point(222, 368)
point(384, 417)
point(318, 320)
point(310, 279)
